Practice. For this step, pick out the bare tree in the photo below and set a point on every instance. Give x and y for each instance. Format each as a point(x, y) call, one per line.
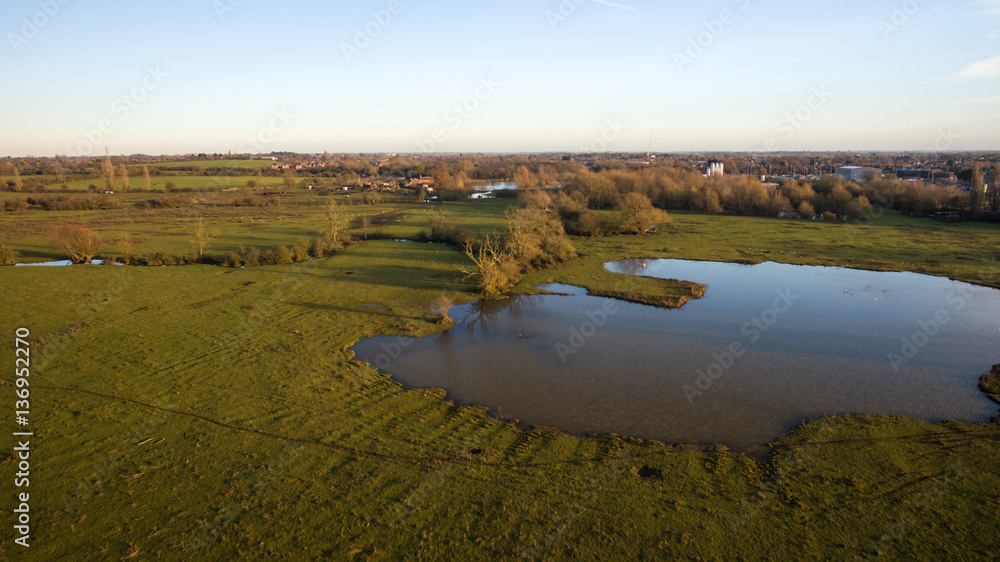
point(547, 176)
point(497, 269)
point(79, 243)
point(373, 198)
point(18, 185)
point(442, 305)
point(524, 178)
point(202, 236)
point(146, 178)
point(123, 172)
point(993, 195)
point(806, 210)
point(637, 214)
point(335, 221)
point(108, 171)
point(527, 228)
point(976, 193)
point(125, 247)
point(366, 221)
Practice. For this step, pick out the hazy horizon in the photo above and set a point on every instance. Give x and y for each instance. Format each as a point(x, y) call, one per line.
point(512, 77)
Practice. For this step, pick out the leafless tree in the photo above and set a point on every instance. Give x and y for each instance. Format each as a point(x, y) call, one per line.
point(637, 214)
point(79, 243)
point(976, 193)
point(497, 269)
point(123, 172)
point(108, 171)
point(442, 305)
point(366, 221)
point(335, 221)
point(993, 195)
point(524, 178)
point(125, 247)
point(203, 234)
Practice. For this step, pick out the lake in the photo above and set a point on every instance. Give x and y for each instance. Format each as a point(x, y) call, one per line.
point(768, 347)
point(486, 191)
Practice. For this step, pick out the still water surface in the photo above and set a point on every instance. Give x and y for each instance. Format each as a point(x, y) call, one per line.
point(768, 347)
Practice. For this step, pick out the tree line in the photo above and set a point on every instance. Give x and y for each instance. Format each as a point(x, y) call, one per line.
point(829, 197)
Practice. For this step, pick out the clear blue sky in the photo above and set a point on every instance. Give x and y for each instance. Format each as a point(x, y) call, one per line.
point(620, 69)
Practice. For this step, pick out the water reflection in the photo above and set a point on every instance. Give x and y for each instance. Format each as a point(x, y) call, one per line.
point(769, 346)
point(480, 317)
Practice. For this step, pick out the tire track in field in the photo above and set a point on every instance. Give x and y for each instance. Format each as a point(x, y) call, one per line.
point(957, 436)
point(353, 450)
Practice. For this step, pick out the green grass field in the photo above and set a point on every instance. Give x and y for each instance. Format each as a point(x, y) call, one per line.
point(158, 183)
point(297, 218)
point(198, 412)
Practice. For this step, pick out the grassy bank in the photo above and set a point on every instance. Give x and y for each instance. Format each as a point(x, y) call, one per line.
point(205, 413)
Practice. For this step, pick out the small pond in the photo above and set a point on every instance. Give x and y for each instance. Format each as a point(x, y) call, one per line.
point(486, 191)
point(768, 347)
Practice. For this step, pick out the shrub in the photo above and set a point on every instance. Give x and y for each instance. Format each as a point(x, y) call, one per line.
point(301, 251)
point(8, 255)
point(506, 193)
point(15, 205)
point(591, 224)
point(63, 203)
point(157, 259)
point(318, 247)
point(859, 208)
point(454, 194)
point(167, 203)
point(248, 257)
point(570, 208)
point(250, 201)
point(535, 198)
point(282, 255)
point(442, 231)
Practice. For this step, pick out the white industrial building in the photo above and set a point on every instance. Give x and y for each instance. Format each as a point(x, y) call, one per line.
point(858, 173)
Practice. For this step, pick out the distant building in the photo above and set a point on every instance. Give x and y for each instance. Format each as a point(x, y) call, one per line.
point(414, 182)
point(715, 169)
point(926, 174)
point(858, 173)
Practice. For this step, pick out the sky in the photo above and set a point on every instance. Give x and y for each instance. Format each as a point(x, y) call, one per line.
point(214, 76)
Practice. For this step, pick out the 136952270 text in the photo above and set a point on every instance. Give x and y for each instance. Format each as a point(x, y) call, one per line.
point(22, 451)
